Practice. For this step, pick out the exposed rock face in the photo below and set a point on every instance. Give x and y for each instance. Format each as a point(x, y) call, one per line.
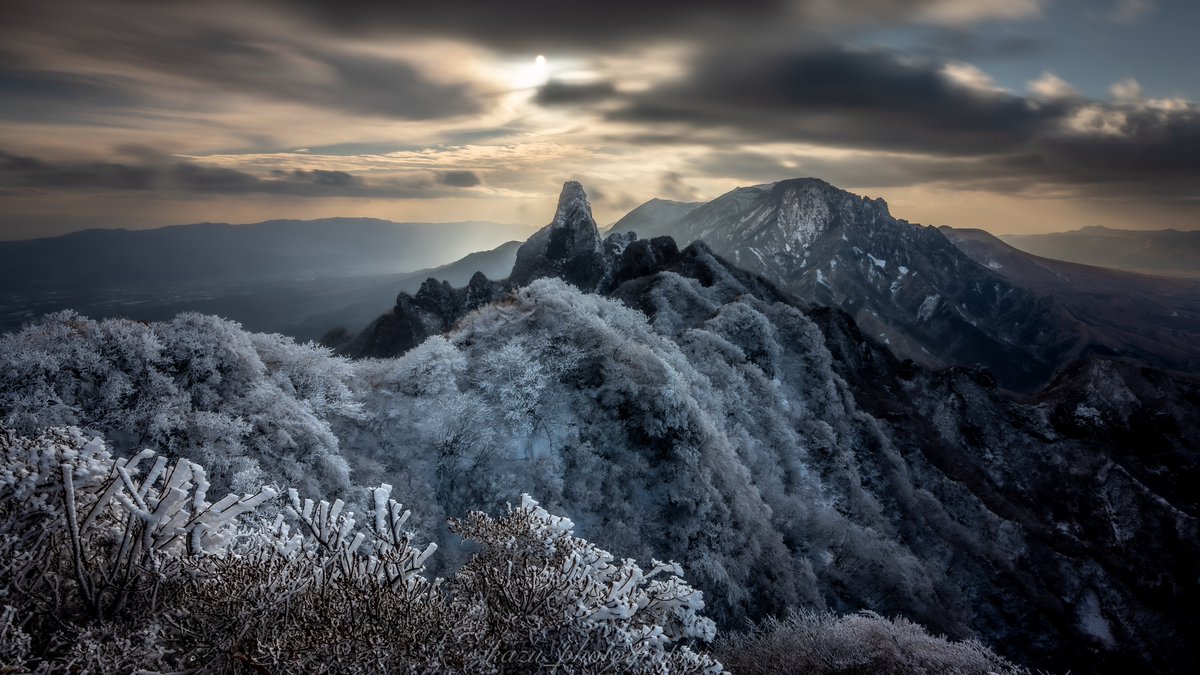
point(905, 285)
point(568, 248)
point(433, 310)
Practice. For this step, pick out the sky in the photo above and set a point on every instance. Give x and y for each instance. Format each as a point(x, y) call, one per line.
point(1016, 116)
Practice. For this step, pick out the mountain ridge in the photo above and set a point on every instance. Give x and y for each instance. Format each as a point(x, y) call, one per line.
point(973, 510)
point(220, 251)
point(1168, 252)
point(907, 285)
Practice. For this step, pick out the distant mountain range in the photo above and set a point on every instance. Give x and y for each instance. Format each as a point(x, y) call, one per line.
point(300, 278)
point(274, 249)
point(1163, 252)
point(1150, 318)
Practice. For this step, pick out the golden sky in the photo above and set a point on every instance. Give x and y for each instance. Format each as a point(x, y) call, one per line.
point(1014, 116)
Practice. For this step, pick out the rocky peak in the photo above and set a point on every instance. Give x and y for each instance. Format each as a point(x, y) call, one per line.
point(809, 207)
point(569, 247)
point(573, 229)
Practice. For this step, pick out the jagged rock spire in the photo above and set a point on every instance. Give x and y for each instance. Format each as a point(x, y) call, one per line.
point(569, 247)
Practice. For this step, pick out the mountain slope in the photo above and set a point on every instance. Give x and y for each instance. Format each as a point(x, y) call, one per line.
point(907, 285)
point(1151, 318)
point(840, 476)
point(1165, 252)
point(654, 218)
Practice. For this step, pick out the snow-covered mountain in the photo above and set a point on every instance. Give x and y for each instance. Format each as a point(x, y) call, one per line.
point(905, 285)
point(675, 405)
point(787, 457)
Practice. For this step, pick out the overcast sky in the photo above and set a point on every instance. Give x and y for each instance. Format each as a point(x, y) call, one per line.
point(1011, 115)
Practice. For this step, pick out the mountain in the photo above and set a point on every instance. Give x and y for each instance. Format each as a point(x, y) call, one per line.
point(208, 252)
point(906, 285)
point(298, 278)
point(654, 218)
point(679, 406)
point(911, 287)
point(1164, 252)
point(1151, 318)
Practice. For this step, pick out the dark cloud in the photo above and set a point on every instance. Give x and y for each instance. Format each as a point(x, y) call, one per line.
point(533, 26)
point(352, 83)
point(459, 178)
point(1150, 150)
point(935, 127)
point(215, 55)
point(560, 93)
point(966, 43)
point(525, 26)
point(47, 96)
point(672, 186)
point(858, 98)
point(189, 178)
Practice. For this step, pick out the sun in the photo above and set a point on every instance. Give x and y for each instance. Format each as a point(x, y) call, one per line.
point(524, 75)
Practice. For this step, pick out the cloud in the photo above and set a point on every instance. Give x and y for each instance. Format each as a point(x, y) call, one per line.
point(538, 26)
point(900, 121)
point(164, 54)
point(840, 96)
point(1129, 11)
point(32, 94)
point(560, 93)
point(672, 186)
point(1126, 91)
point(1050, 86)
point(459, 178)
point(190, 178)
point(960, 12)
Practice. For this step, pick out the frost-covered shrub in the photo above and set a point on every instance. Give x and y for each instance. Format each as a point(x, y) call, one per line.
point(253, 408)
point(822, 643)
point(121, 564)
point(559, 602)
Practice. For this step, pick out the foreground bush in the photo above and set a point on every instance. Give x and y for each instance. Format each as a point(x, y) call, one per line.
point(123, 564)
point(819, 643)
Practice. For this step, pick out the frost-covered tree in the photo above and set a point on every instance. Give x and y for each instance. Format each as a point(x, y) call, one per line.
point(714, 433)
point(252, 407)
point(822, 643)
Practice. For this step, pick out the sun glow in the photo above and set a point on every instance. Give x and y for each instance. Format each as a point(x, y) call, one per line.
point(526, 75)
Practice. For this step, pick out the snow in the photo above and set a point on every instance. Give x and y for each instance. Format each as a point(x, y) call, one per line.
point(928, 306)
point(1091, 619)
point(881, 264)
point(804, 214)
point(1086, 413)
